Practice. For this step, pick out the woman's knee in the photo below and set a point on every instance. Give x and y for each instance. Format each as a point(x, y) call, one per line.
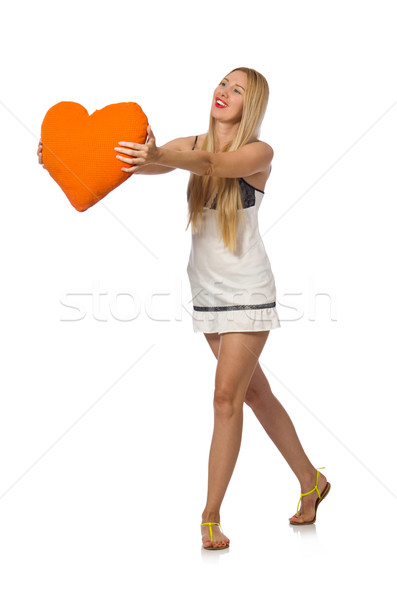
point(259, 390)
point(226, 399)
point(251, 397)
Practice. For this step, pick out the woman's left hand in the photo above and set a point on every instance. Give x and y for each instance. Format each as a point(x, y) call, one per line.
point(143, 154)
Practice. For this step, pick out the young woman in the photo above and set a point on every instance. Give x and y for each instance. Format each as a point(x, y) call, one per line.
point(233, 288)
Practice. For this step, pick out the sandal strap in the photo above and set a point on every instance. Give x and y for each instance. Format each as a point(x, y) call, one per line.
point(306, 493)
point(210, 528)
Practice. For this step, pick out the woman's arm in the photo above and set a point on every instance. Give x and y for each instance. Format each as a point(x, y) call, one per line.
point(179, 144)
point(251, 158)
point(174, 155)
point(248, 160)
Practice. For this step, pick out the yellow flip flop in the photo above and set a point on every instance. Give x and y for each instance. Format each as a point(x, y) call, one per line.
point(320, 497)
point(210, 528)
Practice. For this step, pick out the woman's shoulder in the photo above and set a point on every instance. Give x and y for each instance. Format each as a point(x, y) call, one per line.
point(265, 144)
point(185, 143)
point(258, 180)
point(192, 141)
point(197, 143)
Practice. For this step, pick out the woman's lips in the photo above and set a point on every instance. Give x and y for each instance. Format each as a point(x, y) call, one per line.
point(218, 103)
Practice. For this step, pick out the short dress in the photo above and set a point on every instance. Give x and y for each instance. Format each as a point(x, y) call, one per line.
point(232, 291)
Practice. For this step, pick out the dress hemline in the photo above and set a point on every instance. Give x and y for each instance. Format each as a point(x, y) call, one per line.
point(243, 321)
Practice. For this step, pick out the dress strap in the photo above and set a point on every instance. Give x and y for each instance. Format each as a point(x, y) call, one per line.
point(195, 142)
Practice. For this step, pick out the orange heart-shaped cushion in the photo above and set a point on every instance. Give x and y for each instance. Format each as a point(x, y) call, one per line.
point(78, 148)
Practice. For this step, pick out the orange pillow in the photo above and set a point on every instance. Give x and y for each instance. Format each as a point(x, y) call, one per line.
point(78, 148)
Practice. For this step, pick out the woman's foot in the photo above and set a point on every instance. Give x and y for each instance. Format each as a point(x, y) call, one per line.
point(219, 540)
point(307, 510)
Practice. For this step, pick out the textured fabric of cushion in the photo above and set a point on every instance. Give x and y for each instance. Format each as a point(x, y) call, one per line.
point(78, 148)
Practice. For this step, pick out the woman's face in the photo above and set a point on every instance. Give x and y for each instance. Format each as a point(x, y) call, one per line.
point(228, 99)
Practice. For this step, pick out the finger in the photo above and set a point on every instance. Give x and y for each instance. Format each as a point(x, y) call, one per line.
point(124, 159)
point(150, 133)
point(132, 145)
point(131, 161)
point(127, 151)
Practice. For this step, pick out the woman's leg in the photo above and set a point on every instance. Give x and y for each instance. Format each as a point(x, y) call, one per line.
point(237, 360)
point(279, 427)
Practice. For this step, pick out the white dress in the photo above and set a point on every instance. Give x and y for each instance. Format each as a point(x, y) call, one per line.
point(232, 291)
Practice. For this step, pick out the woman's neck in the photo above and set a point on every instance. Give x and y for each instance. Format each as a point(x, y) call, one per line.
point(224, 132)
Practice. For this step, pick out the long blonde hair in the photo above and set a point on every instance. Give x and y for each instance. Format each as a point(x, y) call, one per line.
point(229, 203)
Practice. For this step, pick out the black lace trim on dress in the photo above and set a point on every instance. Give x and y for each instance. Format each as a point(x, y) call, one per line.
point(238, 307)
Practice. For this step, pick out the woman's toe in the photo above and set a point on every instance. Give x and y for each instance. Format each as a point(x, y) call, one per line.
point(296, 519)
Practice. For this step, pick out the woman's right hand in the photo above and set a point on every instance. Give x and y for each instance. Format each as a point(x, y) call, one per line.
point(39, 153)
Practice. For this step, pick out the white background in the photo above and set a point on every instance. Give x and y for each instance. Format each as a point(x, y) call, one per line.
point(106, 419)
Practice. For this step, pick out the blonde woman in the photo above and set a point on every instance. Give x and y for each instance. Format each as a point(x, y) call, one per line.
point(233, 288)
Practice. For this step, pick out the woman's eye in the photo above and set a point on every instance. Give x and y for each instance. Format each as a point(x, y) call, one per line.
point(223, 83)
point(237, 91)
